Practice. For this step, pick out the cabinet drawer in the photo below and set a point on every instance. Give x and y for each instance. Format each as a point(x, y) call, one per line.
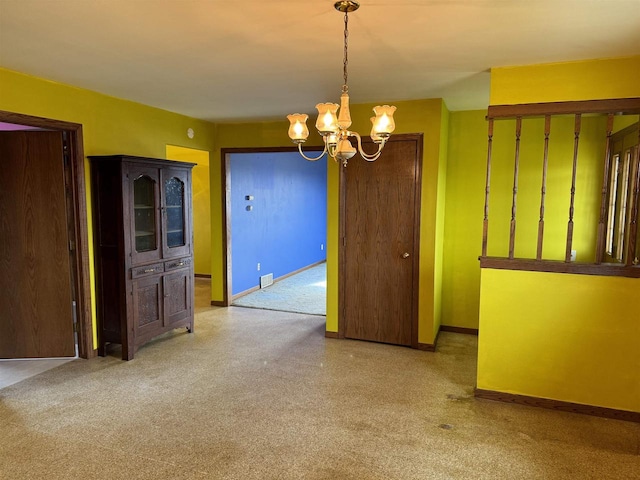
point(147, 270)
point(177, 263)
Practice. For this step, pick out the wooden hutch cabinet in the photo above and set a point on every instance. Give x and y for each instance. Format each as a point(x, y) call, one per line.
point(143, 242)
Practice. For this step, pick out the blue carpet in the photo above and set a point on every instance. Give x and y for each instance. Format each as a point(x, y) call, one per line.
point(305, 292)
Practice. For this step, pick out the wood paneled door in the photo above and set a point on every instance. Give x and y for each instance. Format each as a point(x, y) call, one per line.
point(380, 213)
point(35, 285)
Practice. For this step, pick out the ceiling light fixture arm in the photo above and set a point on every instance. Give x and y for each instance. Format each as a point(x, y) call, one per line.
point(310, 158)
point(368, 157)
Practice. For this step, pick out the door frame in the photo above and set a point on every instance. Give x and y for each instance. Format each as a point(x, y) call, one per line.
point(225, 176)
point(342, 262)
point(80, 237)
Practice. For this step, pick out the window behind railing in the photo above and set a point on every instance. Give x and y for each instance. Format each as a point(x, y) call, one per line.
point(563, 187)
point(624, 145)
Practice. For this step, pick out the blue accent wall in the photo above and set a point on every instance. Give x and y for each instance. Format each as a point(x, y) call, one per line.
point(287, 223)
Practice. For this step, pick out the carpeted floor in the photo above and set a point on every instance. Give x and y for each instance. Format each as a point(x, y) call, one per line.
point(305, 292)
point(255, 394)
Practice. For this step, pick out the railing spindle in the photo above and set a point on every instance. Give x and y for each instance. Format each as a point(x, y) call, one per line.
point(576, 141)
point(604, 201)
point(485, 223)
point(512, 229)
point(543, 190)
point(630, 183)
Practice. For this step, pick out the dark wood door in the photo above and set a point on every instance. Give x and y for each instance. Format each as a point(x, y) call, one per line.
point(147, 306)
point(36, 315)
point(177, 289)
point(380, 214)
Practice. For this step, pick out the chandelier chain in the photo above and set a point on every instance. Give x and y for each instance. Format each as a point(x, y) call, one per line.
point(345, 87)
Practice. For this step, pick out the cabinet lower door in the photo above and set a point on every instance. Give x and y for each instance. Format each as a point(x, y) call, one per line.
point(178, 301)
point(147, 307)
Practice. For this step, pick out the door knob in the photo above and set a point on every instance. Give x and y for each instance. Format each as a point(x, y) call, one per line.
point(405, 255)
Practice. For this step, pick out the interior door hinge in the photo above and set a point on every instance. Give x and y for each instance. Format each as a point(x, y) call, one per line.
point(74, 314)
point(72, 245)
point(66, 150)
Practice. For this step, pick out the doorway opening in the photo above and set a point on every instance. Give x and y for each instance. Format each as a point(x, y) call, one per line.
point(276, 224)
point(64, 140)
point(302, 292)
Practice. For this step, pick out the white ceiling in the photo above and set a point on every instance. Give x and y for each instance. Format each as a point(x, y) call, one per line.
point(261, 59)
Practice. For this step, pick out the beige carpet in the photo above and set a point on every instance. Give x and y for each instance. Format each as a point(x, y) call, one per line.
point(263, 395)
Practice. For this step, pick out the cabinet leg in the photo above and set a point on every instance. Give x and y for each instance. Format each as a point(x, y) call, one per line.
point(128, 349)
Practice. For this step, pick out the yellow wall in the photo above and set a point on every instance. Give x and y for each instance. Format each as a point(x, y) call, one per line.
point(465, 199)
point(567, 337)
point(466, 176)
point(423, 116)
point(559, 82)
point(440, 220)
point(463, 218)
point(110, 125)
point(333, 236)
point(561, 336)
point(201, 204)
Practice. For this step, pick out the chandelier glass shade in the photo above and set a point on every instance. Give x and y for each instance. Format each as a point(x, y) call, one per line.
point(334, 120)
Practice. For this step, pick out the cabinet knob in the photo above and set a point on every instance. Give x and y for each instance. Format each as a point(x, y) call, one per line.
point(405, 255)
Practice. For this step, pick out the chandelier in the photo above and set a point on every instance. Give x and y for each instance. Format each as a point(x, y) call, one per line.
point(334, 127)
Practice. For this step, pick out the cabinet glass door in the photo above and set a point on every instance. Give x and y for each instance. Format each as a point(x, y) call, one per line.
point(144, 214)
point(174, 198)
point(176, 204)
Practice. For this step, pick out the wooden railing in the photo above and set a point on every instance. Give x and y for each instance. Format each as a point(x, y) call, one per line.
point(610, 108)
